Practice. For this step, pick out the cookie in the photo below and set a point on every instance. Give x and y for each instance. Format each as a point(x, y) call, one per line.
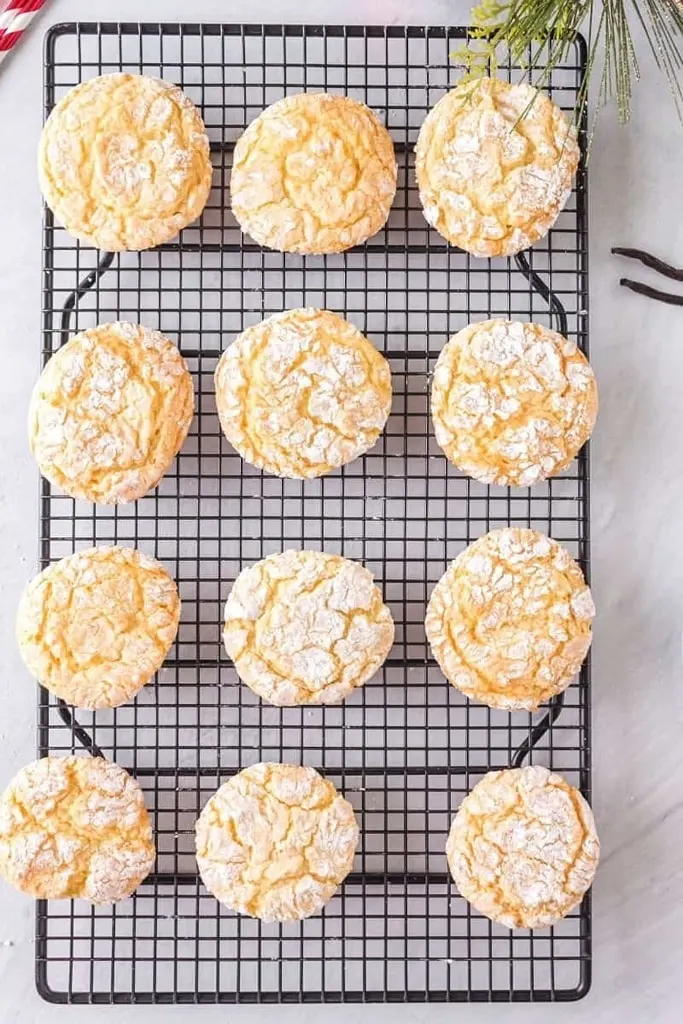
point(495, 165)
point(314, 173)
point(304, 627)
point(75, 828)
point(275, 842)
point(124, 163)
point(109, 413)
point(512, 403)
point(302, 393)
point(510, 621)
point(523, 848)
point(94, 627)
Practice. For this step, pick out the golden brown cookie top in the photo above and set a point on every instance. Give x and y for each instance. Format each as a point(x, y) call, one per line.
point(110, 411)
point(512, 403)
point(305, 627)
point(495, 164)
point(510, 620)
point(75, 827)
point(275, 841)
point(302, 393)
point(124, 162)
point(523, 848)
point(314, 173)
point(95, 627)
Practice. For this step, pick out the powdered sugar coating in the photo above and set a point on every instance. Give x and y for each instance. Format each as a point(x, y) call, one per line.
point(495, 164)
point(302, 393)
point(523, 848)
point(305, 627)
point(110, 411)
point(510, 620)
point(314, 173)
point(75, 827)
point(512, 403)
point(95, 627)
point(124, 162)
point(275, 841)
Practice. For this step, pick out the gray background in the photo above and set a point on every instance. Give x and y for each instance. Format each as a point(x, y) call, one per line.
point(637, 556)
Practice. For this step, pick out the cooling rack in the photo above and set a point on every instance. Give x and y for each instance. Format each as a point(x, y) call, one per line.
point(408, 747)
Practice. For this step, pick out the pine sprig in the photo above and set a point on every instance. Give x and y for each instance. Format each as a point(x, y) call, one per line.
point(538, 35)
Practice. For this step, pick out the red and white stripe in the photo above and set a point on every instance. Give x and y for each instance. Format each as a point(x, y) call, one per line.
point(14, 21)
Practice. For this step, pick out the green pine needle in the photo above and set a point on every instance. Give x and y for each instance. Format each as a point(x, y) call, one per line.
point(538, 35)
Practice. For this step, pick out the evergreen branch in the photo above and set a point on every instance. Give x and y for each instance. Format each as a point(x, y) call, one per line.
point(538, 35)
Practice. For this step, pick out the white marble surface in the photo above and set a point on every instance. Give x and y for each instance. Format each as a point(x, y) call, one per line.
point(637, 351)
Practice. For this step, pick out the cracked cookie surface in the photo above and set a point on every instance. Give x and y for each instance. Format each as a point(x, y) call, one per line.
point(512, 403)
point(109, 413)
point(123, 162)
point(495, 164)
point(75, 827)
point(275, 842)
point(523, 848)
point(305, 627)
point(94, 627)
point(314, 173)
point(510, 621)
point(302, 393)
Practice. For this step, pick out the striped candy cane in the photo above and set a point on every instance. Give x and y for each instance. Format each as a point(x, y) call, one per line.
point(13, 22)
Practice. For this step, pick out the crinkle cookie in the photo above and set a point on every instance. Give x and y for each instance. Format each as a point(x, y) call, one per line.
point(305, 627)
point(109, 413)
point(94, 627)
point(302, 393)
point(512, 403)
point(523, 848)
point(75, 827)
point(124, 163)
point(495, 164)
point(275, 842)
point(510, 620)
point(314, 173)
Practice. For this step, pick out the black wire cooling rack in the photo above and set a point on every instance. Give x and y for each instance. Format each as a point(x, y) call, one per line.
point(408, 747)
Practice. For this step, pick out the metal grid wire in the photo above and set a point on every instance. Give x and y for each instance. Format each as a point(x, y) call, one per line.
point(408, 747)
